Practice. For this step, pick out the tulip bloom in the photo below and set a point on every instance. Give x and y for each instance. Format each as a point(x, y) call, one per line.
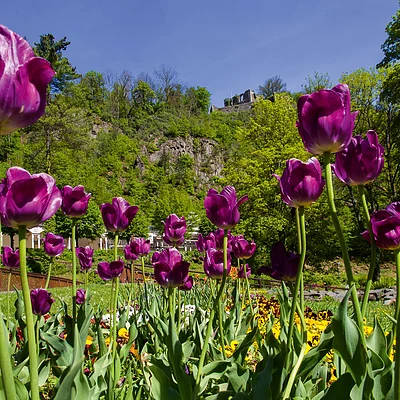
point(204, 243)
point(108, 271)
point(386, 227)
point(28, 200)
point(241, 273)
point(41, 301)
point(214, 264)
point(325, 122)
point(242, 249)
point(75, 201)
point(219, 239)
point(23, 82)
point(301, 183)
point(85, 257)
point(53, 244)
point(285, 264)
point(118, 214)
point(174, 230)
point(222, 209)
point(169, 269)
point(139, 247)
point(10, 258)
point(361, 161)
point(80, 296)
point(187, 284)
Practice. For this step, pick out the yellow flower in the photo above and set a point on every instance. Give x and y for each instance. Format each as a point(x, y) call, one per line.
point(89, 341)
point(108, 340)
point(123, 333)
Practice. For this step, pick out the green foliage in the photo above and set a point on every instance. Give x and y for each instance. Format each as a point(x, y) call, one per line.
point(52, 51)
point(316, 82)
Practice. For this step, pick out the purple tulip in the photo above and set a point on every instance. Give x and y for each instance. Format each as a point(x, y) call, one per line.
point(241, 273)
point(118, 215)
point(41, 301)
point(301, 183)
point(28, 200)
point(284, 264)
point(187, 284)
point(242, 249)
point(80, 296)
point(169, 268)
point(361, 161)
point(222, 209)
point(75, 201)
point(386, 227)
point(10, 258)
point(139, 247)
point(23, 82)
point(219, 239)
point(204, 243)
point(85, 257)
point(325, 121)
point(214, 264)
point(53, 244)
point(108, 271)
point(174, 230)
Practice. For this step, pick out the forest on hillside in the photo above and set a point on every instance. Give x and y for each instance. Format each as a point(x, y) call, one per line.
point(151, 139)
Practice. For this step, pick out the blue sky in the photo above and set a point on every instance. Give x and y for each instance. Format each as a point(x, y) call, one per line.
point(226, 46)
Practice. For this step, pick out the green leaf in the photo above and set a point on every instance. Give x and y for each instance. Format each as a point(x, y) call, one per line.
point(262, 382)
point(238, 376)
point(44, 371)
point(160, 385)
point(347, 342)
point(341, 388)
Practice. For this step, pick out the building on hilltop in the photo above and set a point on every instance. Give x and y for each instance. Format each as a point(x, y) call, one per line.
point(239, 102)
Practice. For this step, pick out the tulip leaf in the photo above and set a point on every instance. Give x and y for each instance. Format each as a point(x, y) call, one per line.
point(44, 371)
point(262, 381)
point(160, 385)
point(347, 342)
point(238, 376)
point(377, 343)
point(341, 388)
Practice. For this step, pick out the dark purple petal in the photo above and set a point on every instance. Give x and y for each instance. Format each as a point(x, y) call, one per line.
point(325, 122)
point(23, 82)
point(75, 201)
point(41, 301)
point(80, 296)
point(10, 258)
point(53, 244)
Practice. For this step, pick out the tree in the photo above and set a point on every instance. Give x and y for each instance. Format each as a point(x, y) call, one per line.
point(197, 100)
point(391, 46)
point(168, 83)
point(271, 86)
point(317, 82)
point(52, 51)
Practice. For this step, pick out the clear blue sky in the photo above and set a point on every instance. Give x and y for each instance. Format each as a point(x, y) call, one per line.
point(226, 46)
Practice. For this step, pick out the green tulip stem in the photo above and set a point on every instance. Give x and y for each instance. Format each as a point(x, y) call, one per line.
point(293, 374)
point(217, 301)
point(248, 289)
point(49, 272)
point(144, 282)
point(342, 242)
point(37, 335)
point(8, 298)
point(6, 363)
point(184, 390)
point(131, 292)
point(295, 292)
point(33, 361)
point(240, 289)
point(86, 280)
point(73, 239)
point(397, 316)
point(299, 251)
point(373, 250)
point(115, 288)
point(221, 303)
